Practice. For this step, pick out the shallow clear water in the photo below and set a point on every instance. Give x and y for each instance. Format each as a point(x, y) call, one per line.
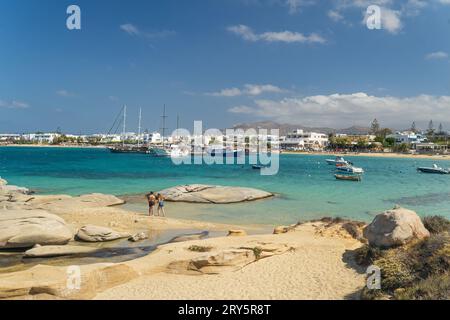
point(305, 185)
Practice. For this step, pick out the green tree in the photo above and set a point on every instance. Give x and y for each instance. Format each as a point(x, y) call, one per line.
point(430, 131)
point(374, 127)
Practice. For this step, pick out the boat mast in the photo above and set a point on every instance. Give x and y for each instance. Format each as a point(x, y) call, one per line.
point(124, 123)
point(164, 124)
point(139, 128)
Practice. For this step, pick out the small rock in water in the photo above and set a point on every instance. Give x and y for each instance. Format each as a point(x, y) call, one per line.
point(236, 233)
point(138, 237)
point(280, 229)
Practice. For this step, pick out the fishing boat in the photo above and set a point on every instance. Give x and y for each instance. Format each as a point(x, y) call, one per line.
point(160, 151)
point(179, 152)
point(434, 169)
point(337, 160)
point(258, 166)
point(225, 152)
point(349, 169)
point(345, 177)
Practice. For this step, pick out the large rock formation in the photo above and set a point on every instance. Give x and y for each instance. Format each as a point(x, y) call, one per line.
point(56, 251)
point(395, 227)
point(227, 260)
point(92, 233)
point(64, 282)
point(25, 228)
point(198, 193)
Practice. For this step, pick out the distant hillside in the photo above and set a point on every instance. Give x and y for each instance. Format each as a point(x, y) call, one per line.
point(286, 128)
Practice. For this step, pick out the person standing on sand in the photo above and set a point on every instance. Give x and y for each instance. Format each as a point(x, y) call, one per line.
point(151, 202)
point(161, 204)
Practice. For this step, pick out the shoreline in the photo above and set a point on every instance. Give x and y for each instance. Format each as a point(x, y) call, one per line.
point(391, 155)
point(52, 146)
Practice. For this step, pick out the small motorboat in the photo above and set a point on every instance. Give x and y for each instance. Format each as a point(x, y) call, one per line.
point(434, 169)
point(258, 166)
point(348, 177)
point(337, 160)
point(349, 168)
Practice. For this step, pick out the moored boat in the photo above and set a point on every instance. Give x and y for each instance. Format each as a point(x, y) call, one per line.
point(348, 177)
point(434, 169)
point(349, 168)
point(338, 160)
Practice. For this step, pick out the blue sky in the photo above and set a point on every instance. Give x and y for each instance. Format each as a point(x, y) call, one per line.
point(310, 62)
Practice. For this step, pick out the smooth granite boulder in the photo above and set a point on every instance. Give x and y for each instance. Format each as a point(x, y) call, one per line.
point(56, 251)
point(26, 228)
point(92, 233)
point(198, 193)
point(395, 227)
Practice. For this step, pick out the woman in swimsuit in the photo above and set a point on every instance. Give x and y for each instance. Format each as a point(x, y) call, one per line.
point(160, 198)
point(151, 202)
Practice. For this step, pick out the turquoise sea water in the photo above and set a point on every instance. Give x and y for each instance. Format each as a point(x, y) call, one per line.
point(305, 185)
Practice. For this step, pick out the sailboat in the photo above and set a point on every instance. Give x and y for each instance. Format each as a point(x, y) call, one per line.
point(129, 148)
point(161, 151)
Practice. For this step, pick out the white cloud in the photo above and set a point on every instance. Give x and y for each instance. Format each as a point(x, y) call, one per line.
point(413, 7)
point(130, 29)
point(247, 90)
point(335, 15)
point(134, 30)
point(437, 55)
point(390, 20)
point(231, 92)
point(295, 5)
point(248, 34)
point(15, 104)
point(65, 93)
point(341, 110)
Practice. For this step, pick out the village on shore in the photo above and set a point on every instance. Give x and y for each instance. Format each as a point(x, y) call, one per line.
point(373, 140)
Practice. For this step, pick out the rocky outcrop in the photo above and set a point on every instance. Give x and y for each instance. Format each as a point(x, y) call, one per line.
point(226, 260)
point(25, 228)
point(56, 251)
point(190, 237)
point(3, 182)
point(9, 189)
point(395, 227)
point(92, 233)
point(64, 282)
point(236, 233)
point(198, 193)
point(138, 237)
point(66, 204)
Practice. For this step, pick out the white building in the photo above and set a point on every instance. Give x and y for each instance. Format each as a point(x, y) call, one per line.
point(407, 137)
point(41, 137)
point(300, 140)
point(10, 137)
point(152, 138)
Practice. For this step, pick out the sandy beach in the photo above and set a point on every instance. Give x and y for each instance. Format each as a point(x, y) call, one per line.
point(302, 261)
point(315, 268)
